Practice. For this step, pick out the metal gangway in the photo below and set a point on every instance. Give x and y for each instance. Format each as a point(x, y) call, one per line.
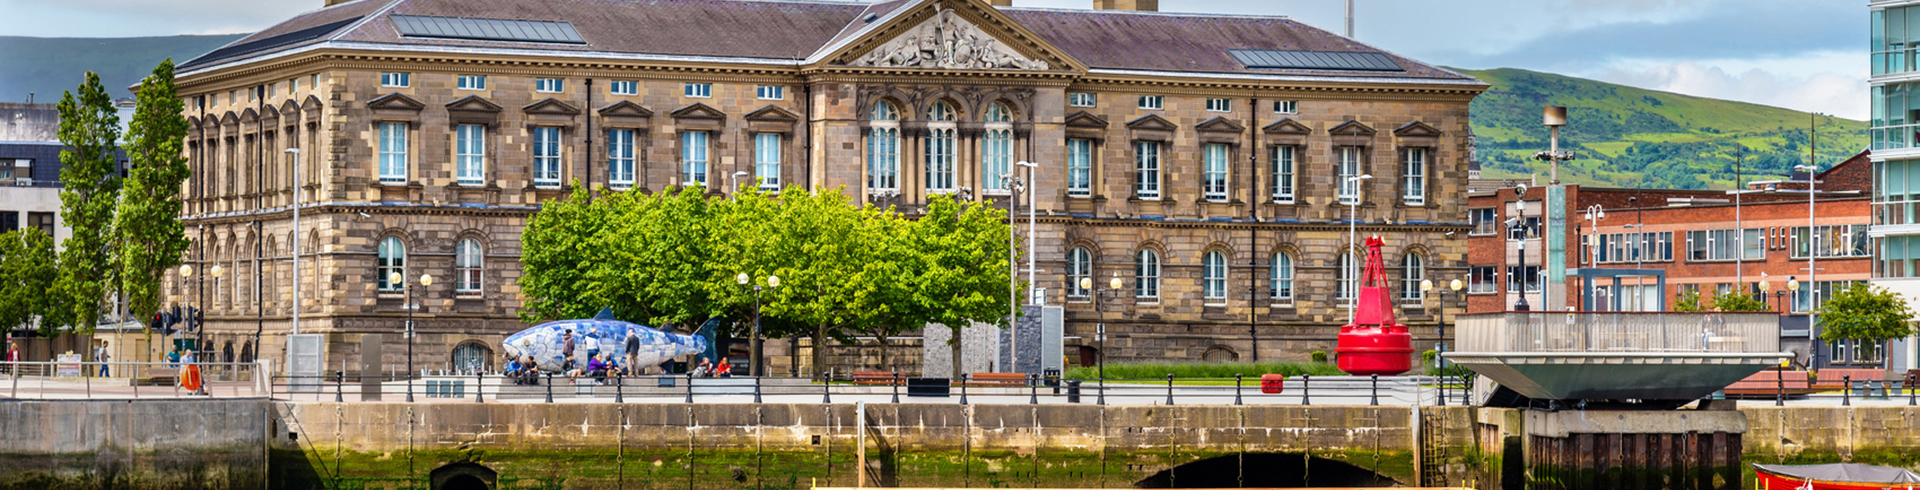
point(1622, 356)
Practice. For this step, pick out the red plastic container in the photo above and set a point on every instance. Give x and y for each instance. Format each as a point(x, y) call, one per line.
point(1272, 383)
point(1374, 343)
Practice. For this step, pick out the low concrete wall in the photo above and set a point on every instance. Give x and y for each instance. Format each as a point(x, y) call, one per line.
point(174, 444)
point(795, 445)
point(1888, 435)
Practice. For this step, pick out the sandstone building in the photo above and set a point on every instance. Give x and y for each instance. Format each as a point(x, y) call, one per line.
point(1199, 158)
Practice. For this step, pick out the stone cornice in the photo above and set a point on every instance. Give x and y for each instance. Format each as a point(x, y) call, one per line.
point(320, 210)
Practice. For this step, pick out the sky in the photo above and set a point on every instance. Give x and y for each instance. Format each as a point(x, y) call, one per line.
point(1808, 55)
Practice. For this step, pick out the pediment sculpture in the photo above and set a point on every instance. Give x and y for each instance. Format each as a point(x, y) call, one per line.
point(947, 41)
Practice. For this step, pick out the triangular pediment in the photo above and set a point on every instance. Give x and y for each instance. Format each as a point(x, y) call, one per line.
point(550, 106)
point(1151, 122)
point(1416, 129)
point(473, 103)
point(395, 101)
point(289, 107)
point(625, 108)
point(772, 114)
point(1351, 128)
point(698, 111)
point(312, 103)
point(270, 112)
point(229, 119)
point(943, 34)
point(1219, 124)
point(249, 115)
point(1084, 119)
point(1287, 126)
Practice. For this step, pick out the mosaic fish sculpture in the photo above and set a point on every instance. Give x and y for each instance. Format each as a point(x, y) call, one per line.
point(545, 342)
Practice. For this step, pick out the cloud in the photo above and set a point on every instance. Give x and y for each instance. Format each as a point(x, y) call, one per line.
point(1828, 92)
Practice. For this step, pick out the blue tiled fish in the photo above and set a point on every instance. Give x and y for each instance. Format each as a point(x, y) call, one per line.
point(545, 342)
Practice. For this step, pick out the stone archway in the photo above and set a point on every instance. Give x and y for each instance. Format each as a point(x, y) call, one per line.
point(1266, 470)
point(1219, 353)
point(463, 475)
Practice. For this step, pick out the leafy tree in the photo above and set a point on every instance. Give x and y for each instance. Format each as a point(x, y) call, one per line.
point(153, 240)
point(1739, 302)
point(563, 261)
point(90, 190)
point(1865, 312)
point(27, 272)
point(1689, 300)
point(958, 278)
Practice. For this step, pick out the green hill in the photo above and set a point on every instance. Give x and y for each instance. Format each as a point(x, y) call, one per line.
point(49, 66)
point(1631, 137)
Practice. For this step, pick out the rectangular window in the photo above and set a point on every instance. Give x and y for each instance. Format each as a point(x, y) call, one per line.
point(1215, 173)
point(766, 160)
point(1481, 279)
point(699, 90)
point(1531, 275)
point(771, 92)
point(293, 86)
point(1529, 227)
point(693, 154)
point(1349, 168)
point(546, 156)
point(1079, 167)
point(470, 153)
point(1283, 175)
point(623, 87)
point(273, 89)
point(620, 158)
point(1154, 102)
point(1831, 241)
point(1286, 107)
point(1483, 221)
point(393, 152)
point(1146, 155)
point(315, 81)
point(471, 82)
point(548, 85)
point(1080, 99)
point(1413, 178)
point(233, 97)
point(43, 221)
point(1219, 105)
point(396, 79)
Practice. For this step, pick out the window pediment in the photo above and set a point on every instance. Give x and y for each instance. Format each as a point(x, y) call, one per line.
point(1416, 129)
point(550, 106)
point(625, 108)
point(698, 111)
point(1351, 128)
point(395, 102)
point(229, 119)
point(473, 103)
point(1084, 119)
point(1151, 122)
point(249, 115)
point(312, 106)
point(1220, 124)
point(773, 114)
point(289, 109)
point(1287, 127)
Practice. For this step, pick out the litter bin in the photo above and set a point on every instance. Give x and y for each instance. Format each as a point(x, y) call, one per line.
point(1073, 391)
point(1272, 383)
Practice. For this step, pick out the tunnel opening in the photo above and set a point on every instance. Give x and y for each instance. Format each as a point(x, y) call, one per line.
point(463, 476)
point(1266, 470)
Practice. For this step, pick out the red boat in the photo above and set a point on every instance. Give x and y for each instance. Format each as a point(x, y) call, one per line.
point(1837, 476)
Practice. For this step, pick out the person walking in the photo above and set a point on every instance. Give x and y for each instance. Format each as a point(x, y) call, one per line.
point(633, 349)
point(566, 349)
point(101, 355)
point(13, 356)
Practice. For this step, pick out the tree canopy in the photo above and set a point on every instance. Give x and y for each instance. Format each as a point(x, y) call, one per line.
point(152, 239)
point(1865, 311)
point(89, 194)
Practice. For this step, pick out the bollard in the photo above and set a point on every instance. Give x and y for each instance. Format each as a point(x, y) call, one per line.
point(1033, 389)
point(1306, 391)
point(1779, 388)
point(826, 389)
point(1236, 387)
point(338, 395)
point(1910, 395)
point(689, 385)
point(1846, 391)
point(1376, 391)
point(550, 388)
point(480, 380)
point(619, 395)
point(896, 387)
point(963, 388)
point(1102, 389)
point(756, 389)
point(1073, 391)
point(1169, 389)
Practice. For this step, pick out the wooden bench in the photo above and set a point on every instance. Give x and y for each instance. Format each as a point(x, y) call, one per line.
point(1835, 378)
point(997, 379)
point(876, 378)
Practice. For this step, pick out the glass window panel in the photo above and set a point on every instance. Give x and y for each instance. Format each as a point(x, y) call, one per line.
point(766, 151)
point(1282, 276)
point(1079, 167)
point(620, 157)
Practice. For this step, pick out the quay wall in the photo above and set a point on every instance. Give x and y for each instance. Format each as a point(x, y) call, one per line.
point(191, 444)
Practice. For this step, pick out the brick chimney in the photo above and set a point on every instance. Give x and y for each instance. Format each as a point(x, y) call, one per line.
point(1139, 5)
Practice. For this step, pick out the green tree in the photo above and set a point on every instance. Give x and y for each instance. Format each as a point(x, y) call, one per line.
point(154, 240)
point(27, 272)
point(1865, 313)
point(90, 190)
point(1689, 300)
point(1739, 302)
point(958, 278)
point(564, 277)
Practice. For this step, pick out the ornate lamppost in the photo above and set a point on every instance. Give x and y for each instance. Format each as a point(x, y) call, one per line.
point(425, 280)
point(772, 282)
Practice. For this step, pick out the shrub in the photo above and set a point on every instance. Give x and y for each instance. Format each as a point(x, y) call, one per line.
point(1318, 356)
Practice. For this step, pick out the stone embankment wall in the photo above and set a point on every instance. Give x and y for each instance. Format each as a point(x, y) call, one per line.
point(171, 444)
point(706, 446)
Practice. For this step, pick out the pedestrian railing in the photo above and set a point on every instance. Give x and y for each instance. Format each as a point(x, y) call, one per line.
point(115, 380)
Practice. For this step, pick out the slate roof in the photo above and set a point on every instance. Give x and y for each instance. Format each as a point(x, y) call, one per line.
point(787, 31)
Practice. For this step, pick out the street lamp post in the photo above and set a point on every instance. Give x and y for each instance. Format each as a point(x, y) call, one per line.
point(772, 282)
point(1032, 230)
point(1595, 213)
point(1016, 186)
point(1519, 221)
point(199, 331)
point(1100, 329)
point(1793, 293)
point(425, 280)
point(1812, 250)
point(1353, 246)
point(295, 242)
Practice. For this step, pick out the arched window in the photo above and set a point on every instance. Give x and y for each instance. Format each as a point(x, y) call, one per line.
point(1282, 277)
point(1147, 275)
point(1349, 272)
point(1079, 267)
point(940, 136)
point(471, 356)
point(883, 148)
point(1416, 270)
point(393, 258)
point(469, 262)
point(996, 154)
point(1214, 267)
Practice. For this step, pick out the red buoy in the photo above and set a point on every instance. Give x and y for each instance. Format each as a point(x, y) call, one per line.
point(1374, 343)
